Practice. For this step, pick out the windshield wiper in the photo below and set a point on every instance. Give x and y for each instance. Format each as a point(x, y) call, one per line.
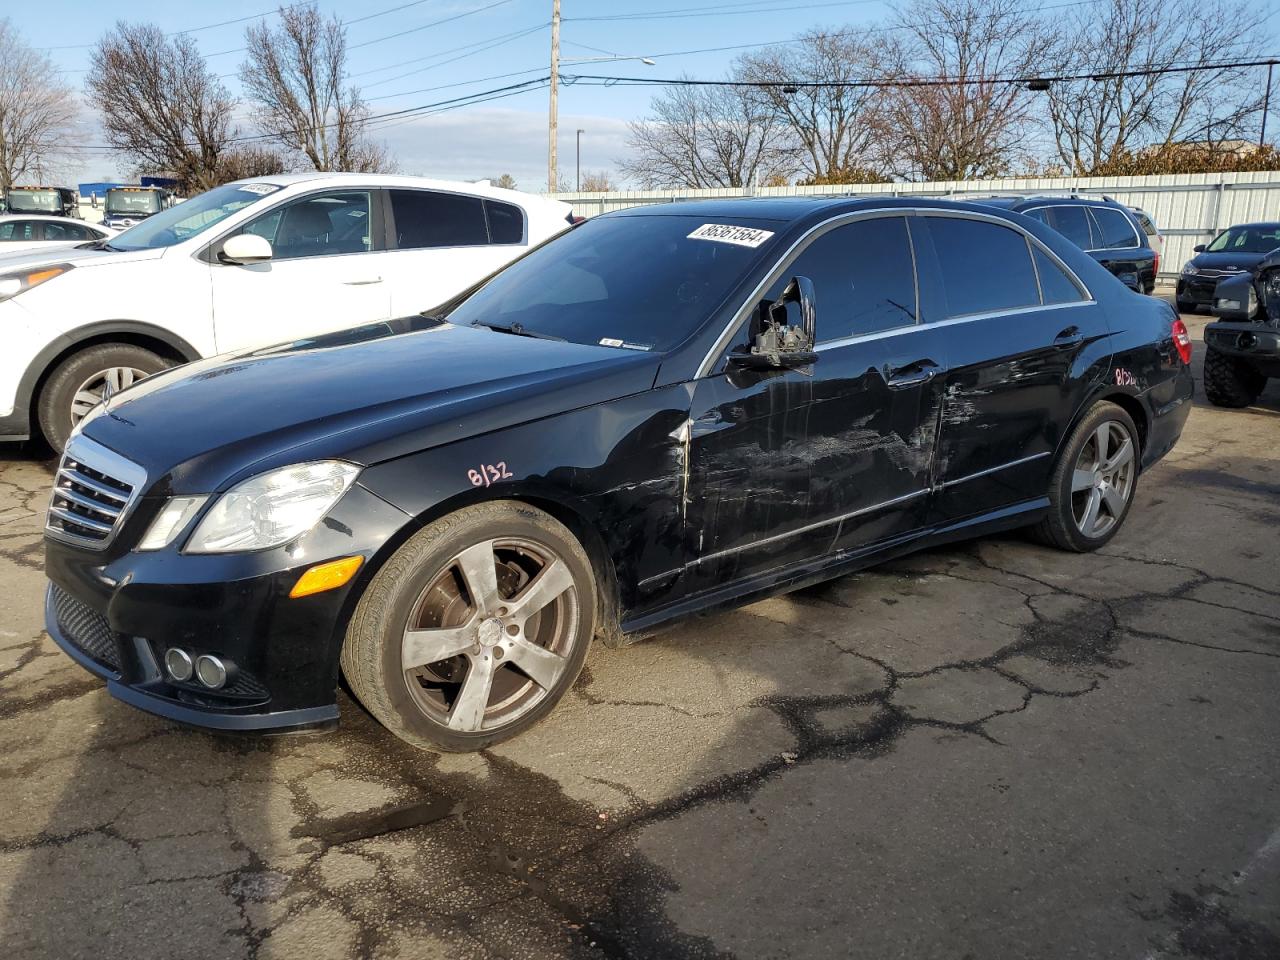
point(518, 330)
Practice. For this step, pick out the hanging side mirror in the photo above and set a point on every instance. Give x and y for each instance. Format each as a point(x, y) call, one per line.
point(779, 344)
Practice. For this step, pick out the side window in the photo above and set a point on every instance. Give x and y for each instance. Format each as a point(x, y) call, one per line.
point(10, 231)
point(427, 219)
point(863, 276)
point(65, 231)
point(1055, 286)
point(322, 225)
point(1116, 231)
point(984, 267)
point(506, 222)
point(1073, 223)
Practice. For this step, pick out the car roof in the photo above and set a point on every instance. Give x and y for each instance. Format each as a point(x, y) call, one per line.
point(1044, 200)
point(1260, 225)
point(786, 209)
point(44, 216)
point(391, 180)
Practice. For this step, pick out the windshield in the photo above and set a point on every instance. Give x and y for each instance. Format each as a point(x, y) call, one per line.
point(133, 201)
point(191, 216)
point(635, 282)
point(34, 201)
point(1257, 239)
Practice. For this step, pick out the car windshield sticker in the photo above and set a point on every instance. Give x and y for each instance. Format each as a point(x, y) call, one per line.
point(729, 233)
point(261, 189)
point(611, 342)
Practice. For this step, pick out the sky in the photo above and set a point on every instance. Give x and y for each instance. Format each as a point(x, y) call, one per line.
point(401, 57)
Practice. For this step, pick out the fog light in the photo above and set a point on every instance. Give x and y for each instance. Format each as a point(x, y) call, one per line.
point(211, 671)
point(178, 664)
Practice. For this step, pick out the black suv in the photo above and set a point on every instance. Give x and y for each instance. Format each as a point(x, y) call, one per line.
point(1234, 251)
point(1106, 230)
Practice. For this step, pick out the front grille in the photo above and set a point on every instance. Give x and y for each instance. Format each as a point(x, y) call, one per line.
point(83, 626)
point(92, 491)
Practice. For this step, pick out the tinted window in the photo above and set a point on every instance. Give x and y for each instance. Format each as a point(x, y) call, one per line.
point(316, 226)
point(66, 231)
point(506, 222)
point(1041, 214)
point(1073, 223)
point(863, 277)
point(984, 266)
point(1055, 285)
point(17, 230)
point(425, 219)
point(1258, 239)
point(633, 282)
point(1116, 229)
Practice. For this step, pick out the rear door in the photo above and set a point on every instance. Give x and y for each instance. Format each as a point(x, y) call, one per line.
point(1025, 341)
point(326, 272)
point(788, 466)
point(440, 243)
point(1119, 249)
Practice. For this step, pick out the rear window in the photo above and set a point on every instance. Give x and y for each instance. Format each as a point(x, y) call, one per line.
point(1073, 223)
point(424, 218)
point(506, 222)
point(984, 267)
point(1116, 229)
point(1055, 285)
point(17, 230)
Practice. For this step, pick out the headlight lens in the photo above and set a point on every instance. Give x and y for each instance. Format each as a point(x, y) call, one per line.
point(1189, 269)
point(12, 284)
point(171, 521)
point(273, 508)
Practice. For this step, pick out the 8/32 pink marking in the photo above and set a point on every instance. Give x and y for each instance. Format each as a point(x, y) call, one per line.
point(488, 473)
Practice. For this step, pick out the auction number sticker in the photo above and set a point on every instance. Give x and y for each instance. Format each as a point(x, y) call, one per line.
point(728, 233)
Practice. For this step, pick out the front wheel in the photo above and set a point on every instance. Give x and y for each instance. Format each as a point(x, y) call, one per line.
point(474, 629)
point(1093, 482)
point(80, 382)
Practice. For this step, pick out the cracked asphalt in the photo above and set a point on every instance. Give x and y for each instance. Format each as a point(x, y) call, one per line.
point(990, 750)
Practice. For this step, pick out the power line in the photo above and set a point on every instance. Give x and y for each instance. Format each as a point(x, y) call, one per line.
point(460, 83)
point(433, 23)
point(480, 47)
point(438, 53)
point(721, 10)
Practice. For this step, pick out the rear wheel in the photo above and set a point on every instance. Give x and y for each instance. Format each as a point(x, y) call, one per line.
point(474, 629)
point(79, 382)
point(1229, 382)
point(1094, 481)
point(1186, 306)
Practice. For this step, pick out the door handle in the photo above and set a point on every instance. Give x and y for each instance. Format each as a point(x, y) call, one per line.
point(912, 374)
point(364, 282)
point(1065, 338)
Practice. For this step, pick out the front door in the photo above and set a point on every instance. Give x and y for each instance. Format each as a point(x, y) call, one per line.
point(325, 273)
point(1023, 352)
point(788, 467)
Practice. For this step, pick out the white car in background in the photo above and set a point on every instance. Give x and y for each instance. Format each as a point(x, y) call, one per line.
point(23, 232)
point(1154, 236)
point(244, 265)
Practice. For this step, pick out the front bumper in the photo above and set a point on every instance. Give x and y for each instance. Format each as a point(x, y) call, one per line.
point(1198, 290)
point(117, 614)
point(1257, 343)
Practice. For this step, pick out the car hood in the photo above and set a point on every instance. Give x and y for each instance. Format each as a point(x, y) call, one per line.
point(367, 395)
point(1227, 261)
point(80, 256)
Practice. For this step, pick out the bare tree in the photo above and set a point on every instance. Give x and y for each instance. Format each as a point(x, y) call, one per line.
point(1095, 122)
point(813, 88)
point(707, 137)
point(976, 123)
point(159, 103)
point(36, 112)
point(506, 182)
point(597, 181)
point(294, 75)
point(250, 160)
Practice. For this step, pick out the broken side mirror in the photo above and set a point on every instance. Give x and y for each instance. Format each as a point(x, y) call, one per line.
point(779, 344)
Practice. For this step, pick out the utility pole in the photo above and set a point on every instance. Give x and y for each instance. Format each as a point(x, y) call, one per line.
point(1266, 106)
point(553, 118)
point(578, 165)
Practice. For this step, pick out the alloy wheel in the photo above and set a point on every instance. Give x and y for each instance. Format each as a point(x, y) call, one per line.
point(1102, 482)
point(490, 635)
point(106, 382)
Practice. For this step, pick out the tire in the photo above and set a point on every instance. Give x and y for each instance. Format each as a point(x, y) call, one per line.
point(54, 408)
point(1066, 525)
point(1229, 382)
point(424, 588)
point(1186, 306)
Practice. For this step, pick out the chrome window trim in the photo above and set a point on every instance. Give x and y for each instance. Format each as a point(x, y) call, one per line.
point(721, 343)
point(104, 460)
point(996, 469)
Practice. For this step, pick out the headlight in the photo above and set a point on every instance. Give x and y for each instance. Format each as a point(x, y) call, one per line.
point(1189, 269)
point(171, 521)
point(273, 508)
point(12, 284)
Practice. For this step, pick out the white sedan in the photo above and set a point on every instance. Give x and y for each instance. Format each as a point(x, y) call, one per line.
point(23, 232)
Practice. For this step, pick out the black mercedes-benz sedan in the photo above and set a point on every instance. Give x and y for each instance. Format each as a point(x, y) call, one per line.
point(665, 411)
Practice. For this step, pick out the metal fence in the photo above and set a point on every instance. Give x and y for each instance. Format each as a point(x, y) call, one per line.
point(1188, 208)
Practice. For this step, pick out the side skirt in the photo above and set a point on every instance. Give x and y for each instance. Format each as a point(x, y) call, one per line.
point(806, 573)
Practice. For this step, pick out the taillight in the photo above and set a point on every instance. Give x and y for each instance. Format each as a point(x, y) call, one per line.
point(1182, 340)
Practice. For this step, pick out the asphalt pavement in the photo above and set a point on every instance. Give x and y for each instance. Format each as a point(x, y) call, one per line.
point(991, 750)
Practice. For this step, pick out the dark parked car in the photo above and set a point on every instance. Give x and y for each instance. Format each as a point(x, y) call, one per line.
point(1108, 231)
point(1243, 345)
point(665, 411)
point(1235, 251)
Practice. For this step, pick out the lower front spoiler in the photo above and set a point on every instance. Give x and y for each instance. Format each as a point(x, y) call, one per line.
point(283, 721)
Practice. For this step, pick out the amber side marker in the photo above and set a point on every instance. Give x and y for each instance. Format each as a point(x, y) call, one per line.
point(326, 576)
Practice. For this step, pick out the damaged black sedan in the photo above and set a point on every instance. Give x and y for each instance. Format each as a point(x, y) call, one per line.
point(665, 411)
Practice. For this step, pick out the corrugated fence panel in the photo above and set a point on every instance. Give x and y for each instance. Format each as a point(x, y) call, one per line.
point(1189, 208)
